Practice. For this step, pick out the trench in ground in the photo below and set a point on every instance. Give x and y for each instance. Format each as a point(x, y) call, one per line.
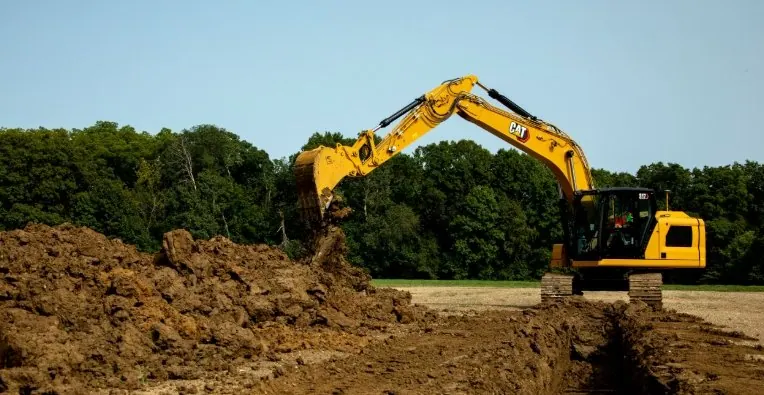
point(601, 362)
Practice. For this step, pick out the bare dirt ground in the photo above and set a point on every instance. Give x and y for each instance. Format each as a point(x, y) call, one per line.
point(80, 313)
point(741, 311)
point(574, 347)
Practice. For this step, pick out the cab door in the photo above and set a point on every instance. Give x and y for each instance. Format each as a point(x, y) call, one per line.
point(680, 240)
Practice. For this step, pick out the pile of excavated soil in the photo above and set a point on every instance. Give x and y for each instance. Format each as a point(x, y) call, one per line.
point(78, 310)
point(674, 353)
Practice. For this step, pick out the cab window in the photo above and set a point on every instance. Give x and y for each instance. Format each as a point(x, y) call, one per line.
point(679, 236)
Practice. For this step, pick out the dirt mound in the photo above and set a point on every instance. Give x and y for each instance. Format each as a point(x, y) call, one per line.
point(78, 310)
point(675, 353)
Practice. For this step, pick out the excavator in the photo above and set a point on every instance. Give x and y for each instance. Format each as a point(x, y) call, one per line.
point(614, 238)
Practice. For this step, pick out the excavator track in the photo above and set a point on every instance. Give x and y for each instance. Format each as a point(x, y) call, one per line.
point(555, 286)
point(647, 288)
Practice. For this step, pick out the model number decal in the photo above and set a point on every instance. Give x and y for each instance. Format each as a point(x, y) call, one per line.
point(519, 130)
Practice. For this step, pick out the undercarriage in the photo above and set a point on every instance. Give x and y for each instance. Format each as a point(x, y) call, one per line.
point(644, 286)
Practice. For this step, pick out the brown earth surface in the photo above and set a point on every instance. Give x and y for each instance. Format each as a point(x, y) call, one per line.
point(735, 311)
point(577, 347)
point(80, 313)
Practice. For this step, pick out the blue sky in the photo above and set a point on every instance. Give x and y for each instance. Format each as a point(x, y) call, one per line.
point(633, 82)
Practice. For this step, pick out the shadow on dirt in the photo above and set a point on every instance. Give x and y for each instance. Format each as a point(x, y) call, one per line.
point(600, 363)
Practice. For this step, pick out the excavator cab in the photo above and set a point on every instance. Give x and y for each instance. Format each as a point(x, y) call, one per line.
point(613, 223)
point(623, 227)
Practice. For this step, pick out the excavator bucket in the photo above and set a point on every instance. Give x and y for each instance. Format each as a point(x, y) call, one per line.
point(317, 172)
point(310, 202)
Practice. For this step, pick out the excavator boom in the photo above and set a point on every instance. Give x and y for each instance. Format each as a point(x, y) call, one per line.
point(319, 171)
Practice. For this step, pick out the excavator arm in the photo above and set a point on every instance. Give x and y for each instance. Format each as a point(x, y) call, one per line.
point(319, 171)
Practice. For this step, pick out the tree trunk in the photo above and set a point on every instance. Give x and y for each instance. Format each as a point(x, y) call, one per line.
point(187, 162)
point(181, 156)
point(282, 228)
point(365, 199)
point(225, 225)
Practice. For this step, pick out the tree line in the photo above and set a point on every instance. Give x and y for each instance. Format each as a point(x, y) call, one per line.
point(447, 210)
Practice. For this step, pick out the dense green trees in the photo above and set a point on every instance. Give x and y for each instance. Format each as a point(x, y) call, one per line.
point(445, 210)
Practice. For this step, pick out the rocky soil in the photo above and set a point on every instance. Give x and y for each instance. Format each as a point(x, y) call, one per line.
point(81, 313)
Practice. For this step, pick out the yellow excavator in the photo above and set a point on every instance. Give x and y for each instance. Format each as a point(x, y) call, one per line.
point(614, 238)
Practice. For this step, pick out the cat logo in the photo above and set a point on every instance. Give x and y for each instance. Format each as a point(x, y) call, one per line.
point(520, 131)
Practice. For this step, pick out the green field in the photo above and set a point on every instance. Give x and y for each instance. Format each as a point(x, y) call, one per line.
point(393, 283)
